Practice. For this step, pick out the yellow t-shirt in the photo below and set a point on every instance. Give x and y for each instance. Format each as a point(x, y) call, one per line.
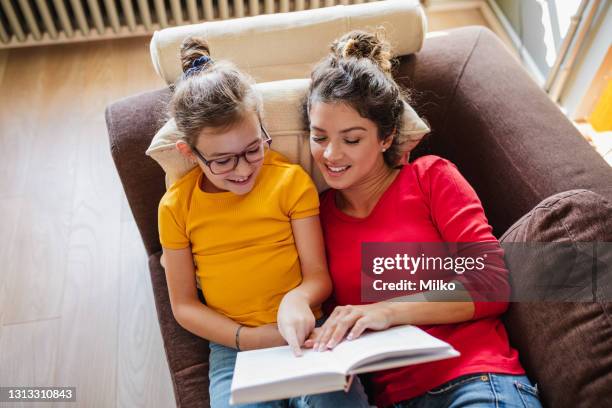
point(243, 246)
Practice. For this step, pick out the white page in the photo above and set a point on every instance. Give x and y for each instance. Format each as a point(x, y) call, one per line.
point(278, 364)
point(398, 341)
point(315, 384)
point(404, 361)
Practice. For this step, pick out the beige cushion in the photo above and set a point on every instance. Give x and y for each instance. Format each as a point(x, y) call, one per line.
point(286, 45)
point(283, 121)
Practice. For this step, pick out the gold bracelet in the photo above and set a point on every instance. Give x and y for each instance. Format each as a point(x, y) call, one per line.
point(238, 337)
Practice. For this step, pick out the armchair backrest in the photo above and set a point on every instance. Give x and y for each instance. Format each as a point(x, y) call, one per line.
point(285, 46)
point(507, 138)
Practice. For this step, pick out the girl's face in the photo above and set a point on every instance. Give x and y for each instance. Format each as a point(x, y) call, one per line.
point(245, 139)
point(344, 145)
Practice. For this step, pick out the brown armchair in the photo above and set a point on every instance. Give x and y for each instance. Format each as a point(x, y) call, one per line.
point(487, 116)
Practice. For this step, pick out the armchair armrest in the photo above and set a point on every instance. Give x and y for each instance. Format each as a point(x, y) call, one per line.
point(132, 122)
point(509, 140)
point(186, 353)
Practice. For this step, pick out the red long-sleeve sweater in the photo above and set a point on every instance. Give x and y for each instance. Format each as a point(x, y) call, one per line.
point(429, 201)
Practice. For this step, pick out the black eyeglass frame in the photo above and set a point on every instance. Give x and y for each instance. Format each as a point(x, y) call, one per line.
point(267, 139)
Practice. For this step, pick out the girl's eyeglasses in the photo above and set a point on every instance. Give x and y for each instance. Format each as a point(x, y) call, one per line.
point(227, 164)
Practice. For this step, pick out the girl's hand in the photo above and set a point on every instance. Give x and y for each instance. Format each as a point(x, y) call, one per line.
point(353, 320)
point(295, 321)
point(252, 338)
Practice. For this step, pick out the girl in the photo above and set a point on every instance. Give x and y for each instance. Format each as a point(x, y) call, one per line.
point(245, 222)
point(354, 109)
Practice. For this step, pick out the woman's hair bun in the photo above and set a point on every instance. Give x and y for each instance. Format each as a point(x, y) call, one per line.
point(363, 44)
point(193, 48)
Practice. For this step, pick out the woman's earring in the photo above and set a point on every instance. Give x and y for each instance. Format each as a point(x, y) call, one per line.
point(383, 149)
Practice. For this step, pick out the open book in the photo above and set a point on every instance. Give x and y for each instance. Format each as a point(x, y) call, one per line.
point(275, 373)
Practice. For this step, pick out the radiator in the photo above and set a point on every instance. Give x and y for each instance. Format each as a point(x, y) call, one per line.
point(39, 22)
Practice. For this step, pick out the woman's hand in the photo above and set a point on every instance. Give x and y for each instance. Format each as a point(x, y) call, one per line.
point(350, 319)
point(295, 321)
point(309, 343)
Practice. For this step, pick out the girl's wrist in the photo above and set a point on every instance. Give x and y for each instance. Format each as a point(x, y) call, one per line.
point(247, 339)
point(237, 342)
point(254, 338)
point(296, 295)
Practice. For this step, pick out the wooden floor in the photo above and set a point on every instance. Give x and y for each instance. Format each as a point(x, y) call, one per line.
point(443, 20)
point(76, 306)
point(76, 302)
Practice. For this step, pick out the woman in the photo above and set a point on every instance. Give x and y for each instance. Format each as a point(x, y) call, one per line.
point(354, 109)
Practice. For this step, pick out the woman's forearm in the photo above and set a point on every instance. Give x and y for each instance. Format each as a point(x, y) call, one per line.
point(424, 313)
point(432, 307)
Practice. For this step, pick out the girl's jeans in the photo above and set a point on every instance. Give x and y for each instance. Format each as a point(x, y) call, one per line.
point(482, 390)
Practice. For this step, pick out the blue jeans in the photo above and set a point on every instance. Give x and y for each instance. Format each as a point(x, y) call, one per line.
point(479, 390)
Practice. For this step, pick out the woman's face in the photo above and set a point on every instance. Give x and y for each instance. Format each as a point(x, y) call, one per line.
point(243, 138)
point(344, 145)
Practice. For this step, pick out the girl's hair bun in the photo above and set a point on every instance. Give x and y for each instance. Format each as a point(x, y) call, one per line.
point(193, 48)
point(363, 44)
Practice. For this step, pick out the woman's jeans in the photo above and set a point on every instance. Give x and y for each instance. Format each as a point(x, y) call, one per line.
point(479, 390)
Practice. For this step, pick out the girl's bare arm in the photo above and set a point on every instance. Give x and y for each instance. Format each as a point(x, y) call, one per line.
point(295, 318)
point(316, 284)
point(201, 320)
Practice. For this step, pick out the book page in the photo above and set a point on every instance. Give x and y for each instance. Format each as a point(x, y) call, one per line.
point(379, 345)
point(394, 362)
point(278, 364)
point(315, 384)
point(276, 373)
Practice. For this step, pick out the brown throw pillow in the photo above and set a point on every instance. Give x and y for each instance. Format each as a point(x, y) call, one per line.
point(566, 347)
